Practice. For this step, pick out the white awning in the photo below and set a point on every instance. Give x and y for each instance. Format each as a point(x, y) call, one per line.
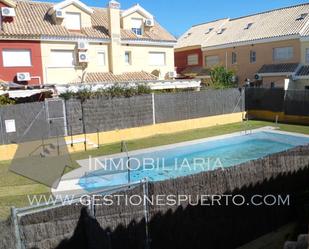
point(23, 93)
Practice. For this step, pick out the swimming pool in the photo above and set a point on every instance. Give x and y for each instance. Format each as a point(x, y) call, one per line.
point(188, 158)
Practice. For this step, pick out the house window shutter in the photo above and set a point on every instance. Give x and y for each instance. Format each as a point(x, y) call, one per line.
point(284, 53)
point(73, 21)
point(101, 58)
point(192, 59)
point(156, 58)
point(62, 58)
point(212, 60)
point(16, 58)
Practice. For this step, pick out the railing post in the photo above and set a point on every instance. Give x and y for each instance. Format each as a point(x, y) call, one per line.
point(98, 138)
point(18, 243)
point(71, 135)
point(153, 109)
point(146, 212)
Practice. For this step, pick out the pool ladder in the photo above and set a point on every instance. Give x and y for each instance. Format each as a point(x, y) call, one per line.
point(124, 148)
point(247, 126)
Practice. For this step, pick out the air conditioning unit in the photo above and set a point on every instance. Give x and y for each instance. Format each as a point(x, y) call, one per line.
point(7, 12)
point(82, 45)
point(257, 77)
point(149, 22)
point(172, 74)
point(23, 76)
point(83, 57)
point(59, 14)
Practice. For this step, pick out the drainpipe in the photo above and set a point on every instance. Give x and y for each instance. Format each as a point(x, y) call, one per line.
point(226, 59)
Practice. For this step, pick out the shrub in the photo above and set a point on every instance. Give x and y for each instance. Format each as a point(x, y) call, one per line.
point(116, 90)
point(222, 77)
point(5, 100)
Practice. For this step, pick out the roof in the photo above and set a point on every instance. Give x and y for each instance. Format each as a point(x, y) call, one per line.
point(303, 71)
point(112, 78)
point(32, 19)
point(198, 33)
point(137, 8)
point(78, 3)
point(278, 68)
point(270, 24)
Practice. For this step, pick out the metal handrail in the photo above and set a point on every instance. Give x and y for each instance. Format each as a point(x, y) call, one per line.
point(59, 203)
point(97, 131)
point(124, 148)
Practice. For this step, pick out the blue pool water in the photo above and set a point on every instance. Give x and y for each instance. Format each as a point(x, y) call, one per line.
point(190, 159)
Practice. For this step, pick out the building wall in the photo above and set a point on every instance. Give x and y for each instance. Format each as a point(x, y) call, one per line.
point(181, 56)
point(264, 55)
point(35, 70)
point(65, 75)
point(140, 59)
point(85, 17)
point(304, 46)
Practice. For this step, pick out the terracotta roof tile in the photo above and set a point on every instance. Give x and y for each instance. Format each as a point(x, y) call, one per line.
point(269, 24)
point(32, 19)
point(112, 78)
point(303, 71)
point(279, 68)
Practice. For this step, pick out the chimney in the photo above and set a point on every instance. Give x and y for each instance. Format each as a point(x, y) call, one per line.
point(115, 54)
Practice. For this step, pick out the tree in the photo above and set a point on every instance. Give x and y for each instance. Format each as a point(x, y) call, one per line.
point(222, 77)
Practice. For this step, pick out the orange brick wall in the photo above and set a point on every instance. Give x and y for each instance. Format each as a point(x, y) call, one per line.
point(264, 55)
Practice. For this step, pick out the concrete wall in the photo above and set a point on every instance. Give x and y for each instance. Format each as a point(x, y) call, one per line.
point(35, 70)
point(264, 55)
point(181, 58)
point(140, 59)
point(63, 75)
point(85, 17)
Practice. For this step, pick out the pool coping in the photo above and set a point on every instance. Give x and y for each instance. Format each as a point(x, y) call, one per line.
point(70, 180)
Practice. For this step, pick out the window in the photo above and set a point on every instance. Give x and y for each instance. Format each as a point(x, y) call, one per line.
point(16, 58)
point(252, 56)
point(211, 60)
point(156, 58)
point(281, 54)
point(307, 55)
point(220, 31)
point(192, 59)
point(137, 26)
point(73, 21)
point(306, 87)
point(101, 58)
point(208, 31)
point(234, 58)
point(301, 16)
point(127, 58)
point(248, 26)
point(62, 58)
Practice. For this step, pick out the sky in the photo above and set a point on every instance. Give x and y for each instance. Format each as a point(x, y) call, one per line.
point(179, 16)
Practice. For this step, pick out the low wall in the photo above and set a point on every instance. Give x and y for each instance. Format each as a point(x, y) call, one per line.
point(7, 152)
point(282, 117)
point(123, 226)
point(291, 106)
